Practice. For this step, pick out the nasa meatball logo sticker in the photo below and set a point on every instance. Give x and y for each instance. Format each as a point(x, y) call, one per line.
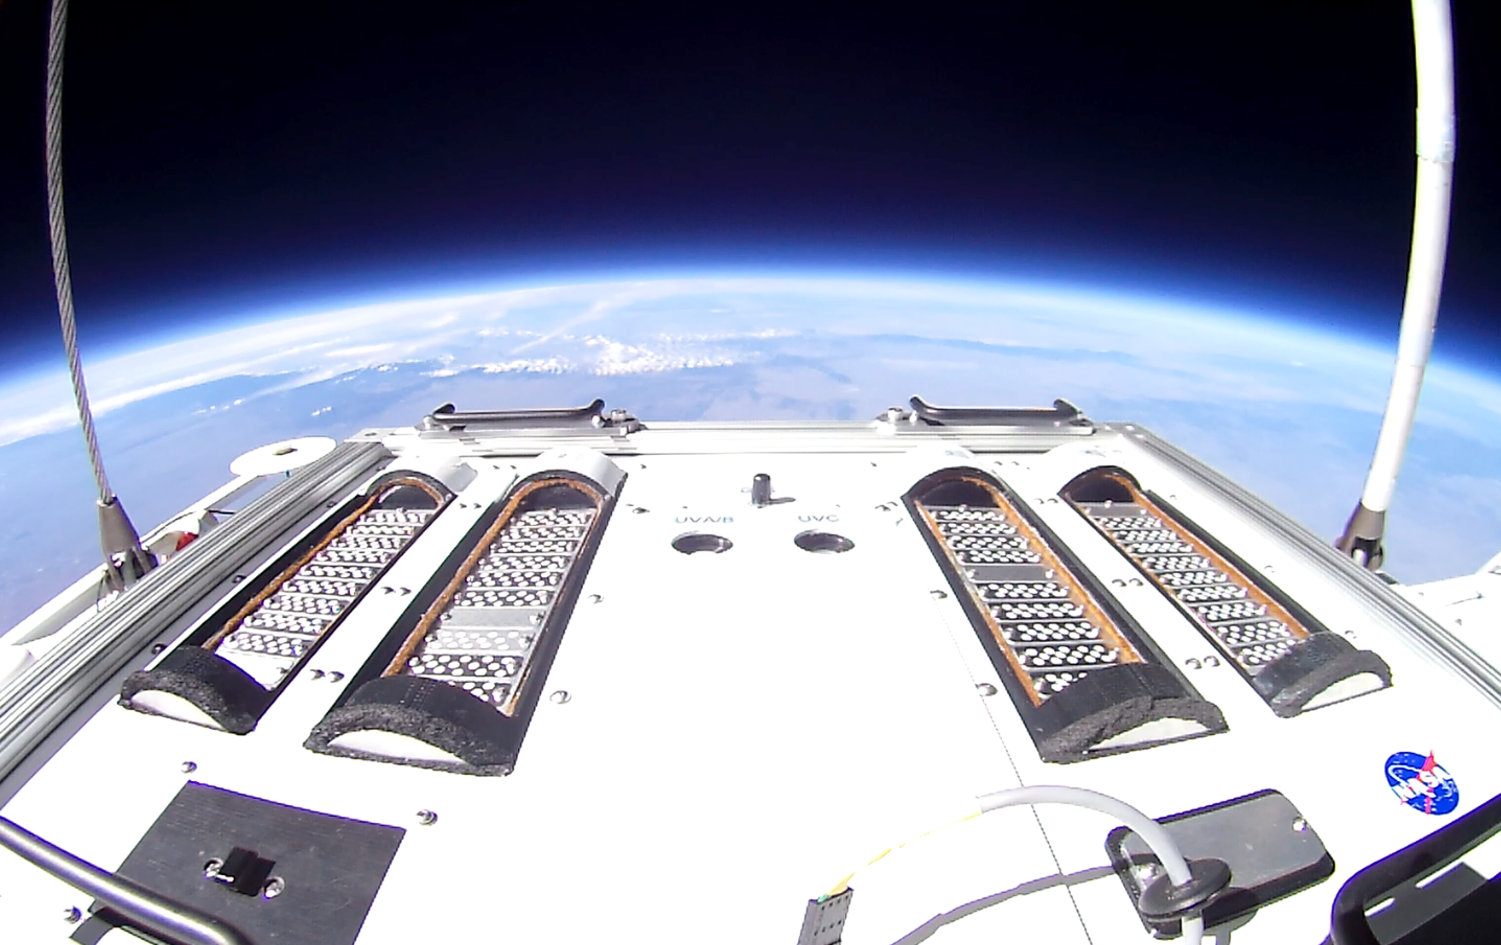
point(1421, 784)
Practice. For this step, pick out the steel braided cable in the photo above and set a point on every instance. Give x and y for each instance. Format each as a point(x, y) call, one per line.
point(61, 277)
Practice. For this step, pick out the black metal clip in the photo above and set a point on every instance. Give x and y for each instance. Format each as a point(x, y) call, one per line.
point(244, 871)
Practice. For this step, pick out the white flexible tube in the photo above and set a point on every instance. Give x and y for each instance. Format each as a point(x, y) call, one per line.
point(1433, 43)
point(1150, 831)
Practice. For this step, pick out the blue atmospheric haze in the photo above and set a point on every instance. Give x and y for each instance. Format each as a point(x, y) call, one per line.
point(1257, 390)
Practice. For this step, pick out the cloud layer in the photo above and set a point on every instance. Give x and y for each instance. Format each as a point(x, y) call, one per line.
point(672, 325)
point(1290, 412)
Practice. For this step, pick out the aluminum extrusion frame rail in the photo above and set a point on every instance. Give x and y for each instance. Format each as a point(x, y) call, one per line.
point(1422, 629)
point(34, 703)
point(240, 657)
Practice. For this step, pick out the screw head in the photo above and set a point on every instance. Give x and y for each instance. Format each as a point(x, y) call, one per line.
point(211, 868)
point(188, 767)
point(427, 818)
point(561, 696)
point(985, 689)
point(157, 648)
point(1299, 824)
point(273, 887)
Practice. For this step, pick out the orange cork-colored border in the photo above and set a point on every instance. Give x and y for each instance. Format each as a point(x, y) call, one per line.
point(436, 609)
point(1240, 578)
point(233, 624)
point(1077, 593)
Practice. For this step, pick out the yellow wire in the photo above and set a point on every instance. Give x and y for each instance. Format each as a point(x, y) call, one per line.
point(843, 884)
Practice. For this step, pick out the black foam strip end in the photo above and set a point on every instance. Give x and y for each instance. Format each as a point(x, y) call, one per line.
point(1109, 702)
point(1312, 665)
point(432, 712)
point(224, 691)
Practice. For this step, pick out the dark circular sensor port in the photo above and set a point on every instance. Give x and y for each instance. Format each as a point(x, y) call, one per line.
point(823, 542)
point(694, 542)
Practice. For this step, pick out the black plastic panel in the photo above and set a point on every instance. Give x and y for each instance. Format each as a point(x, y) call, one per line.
point(329, 868)
point(1271, 850)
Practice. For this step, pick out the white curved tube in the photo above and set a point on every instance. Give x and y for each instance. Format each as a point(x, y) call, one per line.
point(1150, 831)
point(1433, 42)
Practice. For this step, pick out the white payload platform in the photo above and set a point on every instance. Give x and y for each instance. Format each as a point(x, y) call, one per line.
point(565, 676)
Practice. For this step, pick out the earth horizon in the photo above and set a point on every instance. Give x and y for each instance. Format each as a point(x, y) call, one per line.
point(1288, 410)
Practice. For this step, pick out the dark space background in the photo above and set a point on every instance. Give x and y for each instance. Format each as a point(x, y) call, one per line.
point(230, 156)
